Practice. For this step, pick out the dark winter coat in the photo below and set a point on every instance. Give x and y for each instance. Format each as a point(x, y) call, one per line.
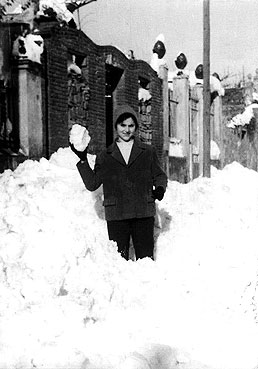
point(127, 187)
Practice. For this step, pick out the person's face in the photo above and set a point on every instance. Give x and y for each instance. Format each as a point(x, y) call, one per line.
point(126, 129)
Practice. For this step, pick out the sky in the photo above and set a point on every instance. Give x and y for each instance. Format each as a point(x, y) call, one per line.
point(69, 300)
point(135, 24)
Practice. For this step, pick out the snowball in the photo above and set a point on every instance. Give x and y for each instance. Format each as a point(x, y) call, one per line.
point(79, 137)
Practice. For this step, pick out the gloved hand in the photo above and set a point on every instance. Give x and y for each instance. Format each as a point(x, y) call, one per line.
point(82, 155)
point(158, 193)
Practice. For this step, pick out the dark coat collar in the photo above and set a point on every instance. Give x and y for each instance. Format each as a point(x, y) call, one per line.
point(137, 149)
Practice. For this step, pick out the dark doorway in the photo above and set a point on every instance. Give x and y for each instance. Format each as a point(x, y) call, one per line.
point(113, 75)
point(9, 130)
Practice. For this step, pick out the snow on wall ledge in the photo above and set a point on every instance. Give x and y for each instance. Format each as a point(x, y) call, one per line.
point(68, 300)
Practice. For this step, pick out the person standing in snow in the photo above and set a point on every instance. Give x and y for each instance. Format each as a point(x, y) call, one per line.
point(132, 180)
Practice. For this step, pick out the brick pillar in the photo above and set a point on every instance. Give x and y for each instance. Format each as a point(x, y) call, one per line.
point(30, 109)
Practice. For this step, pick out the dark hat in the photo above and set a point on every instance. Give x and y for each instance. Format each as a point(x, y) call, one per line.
point(123, 112)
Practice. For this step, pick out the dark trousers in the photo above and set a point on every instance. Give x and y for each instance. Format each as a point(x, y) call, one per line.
point(141, 230)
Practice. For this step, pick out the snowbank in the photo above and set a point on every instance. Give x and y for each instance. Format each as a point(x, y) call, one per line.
point(68, 300)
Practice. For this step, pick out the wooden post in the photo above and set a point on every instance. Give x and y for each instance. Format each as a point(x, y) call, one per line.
point(206, 88)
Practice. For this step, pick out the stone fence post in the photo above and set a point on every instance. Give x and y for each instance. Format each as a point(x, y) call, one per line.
point(163, 74)
point(199, 93)
point(216, 131)
point(181, 95)
point(29, 108)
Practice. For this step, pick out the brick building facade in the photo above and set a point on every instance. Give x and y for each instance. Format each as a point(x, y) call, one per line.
point(108, 79)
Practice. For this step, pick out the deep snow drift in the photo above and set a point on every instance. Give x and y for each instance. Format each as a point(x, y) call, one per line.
point(68, 300)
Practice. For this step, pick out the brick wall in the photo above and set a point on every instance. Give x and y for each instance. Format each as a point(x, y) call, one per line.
point(144, 71)
point(62, 41)
point(56, 124)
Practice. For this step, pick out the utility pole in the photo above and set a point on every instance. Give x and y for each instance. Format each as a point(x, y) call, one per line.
point(206, 89)
point(79, 19)
point(243, 69)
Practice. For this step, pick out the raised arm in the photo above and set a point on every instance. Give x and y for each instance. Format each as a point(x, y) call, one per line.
point(91, 178)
